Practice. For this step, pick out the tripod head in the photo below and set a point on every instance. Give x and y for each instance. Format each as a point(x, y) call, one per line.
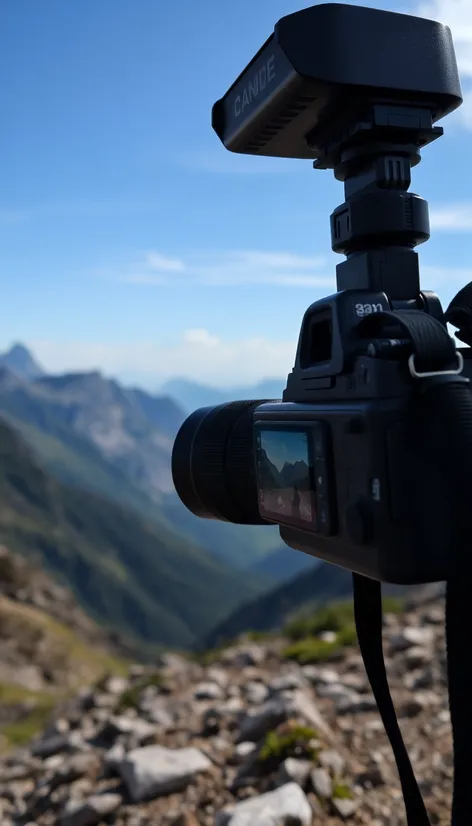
point(357, 90)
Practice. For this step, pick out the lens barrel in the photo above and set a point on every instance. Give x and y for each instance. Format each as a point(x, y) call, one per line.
point(213, 463)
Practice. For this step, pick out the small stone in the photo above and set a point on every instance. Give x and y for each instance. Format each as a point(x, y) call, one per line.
point(244, 749)
point(57, 743)
point(356, 704)
point(328, 636)
point(114, 756)
point(344, 807)
point(256, 692)
point(331, 759)
point(116, 685)
point(122, 725)
point(318, 675)
point(293, 770)
point(156, 770)
point(322, 783)
point(282, 707)
point(208, 691)
point(410, 637)
point(287, 804)
point(217, 675)
point(288, 682)
point(93, 811)
point(417, 657)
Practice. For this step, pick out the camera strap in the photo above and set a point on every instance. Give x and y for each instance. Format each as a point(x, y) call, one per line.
point(435, 365)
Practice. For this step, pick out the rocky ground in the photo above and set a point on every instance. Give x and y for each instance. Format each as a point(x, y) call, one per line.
point(251, 740)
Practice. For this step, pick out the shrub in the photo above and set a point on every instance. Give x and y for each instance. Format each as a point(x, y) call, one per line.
point(337, 617)
point(290, 740)
point(341, 791)
point(313, 650)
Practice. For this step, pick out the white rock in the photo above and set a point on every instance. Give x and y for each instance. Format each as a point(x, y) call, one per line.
point(244, 749)
point(270, 809)
point(92, 811)
point(322, 783)
point(344, 806)
point(114, 756)
point(293, 770)
point(256, 692)
point(288, 682)
point(116, 685)
point(410, 637)
point(317, 675)
point(155, 770)
point(258, 721)
point(208, 691)
point(328, 636)
point(331, 759)
point(217, 675)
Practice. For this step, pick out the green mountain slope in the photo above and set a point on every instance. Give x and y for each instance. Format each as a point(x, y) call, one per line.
point(314, 587)
point(125, 571)
point(59, 420)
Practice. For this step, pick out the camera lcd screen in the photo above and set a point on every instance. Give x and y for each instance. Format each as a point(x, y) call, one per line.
point(285, 476)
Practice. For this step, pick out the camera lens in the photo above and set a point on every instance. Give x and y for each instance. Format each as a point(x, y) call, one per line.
point(213, 464)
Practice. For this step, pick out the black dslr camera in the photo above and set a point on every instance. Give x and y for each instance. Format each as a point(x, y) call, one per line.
point(349, 464)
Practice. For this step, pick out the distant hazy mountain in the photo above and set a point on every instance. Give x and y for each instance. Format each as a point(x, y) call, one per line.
point(110, 418)
point(192, 395)
point(20, 361)
point(90, 432)
point(284, 563)
point(320, 584)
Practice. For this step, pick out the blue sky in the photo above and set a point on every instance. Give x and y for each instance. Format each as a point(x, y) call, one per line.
point(131, 240)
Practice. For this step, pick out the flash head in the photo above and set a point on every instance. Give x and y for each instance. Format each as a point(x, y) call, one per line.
point(322, 65)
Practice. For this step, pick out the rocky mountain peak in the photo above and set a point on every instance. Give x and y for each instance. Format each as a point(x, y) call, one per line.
point(19, 359)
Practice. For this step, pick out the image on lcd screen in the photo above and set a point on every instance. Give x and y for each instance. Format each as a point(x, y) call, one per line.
point(284, 477)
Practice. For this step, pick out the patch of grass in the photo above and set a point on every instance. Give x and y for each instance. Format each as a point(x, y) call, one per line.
point(20, 732)
point(313, 650)
point(337, 617)
point(61, 646)
point(30, 710)
point(45, 642)
point(342, 792)
point(290, 740)
point(130, 697)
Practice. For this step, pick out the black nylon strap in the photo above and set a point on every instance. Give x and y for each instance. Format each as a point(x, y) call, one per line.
point(451, 400)
point(368, 616)
point(433, 347)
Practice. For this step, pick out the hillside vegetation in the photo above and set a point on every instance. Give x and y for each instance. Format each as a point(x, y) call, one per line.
point(125, 571)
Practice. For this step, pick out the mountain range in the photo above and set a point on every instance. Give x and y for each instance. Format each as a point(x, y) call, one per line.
point(128, 573)
point(191, 395)
point(319, 584)
point(85, 485)
point(89, 431)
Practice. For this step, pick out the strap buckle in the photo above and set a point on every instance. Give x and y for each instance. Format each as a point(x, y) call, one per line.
point(428, 375)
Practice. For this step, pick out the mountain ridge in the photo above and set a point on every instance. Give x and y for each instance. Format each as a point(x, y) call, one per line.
point(126, 572)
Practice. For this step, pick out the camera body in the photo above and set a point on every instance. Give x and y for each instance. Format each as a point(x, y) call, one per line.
point(348, 464)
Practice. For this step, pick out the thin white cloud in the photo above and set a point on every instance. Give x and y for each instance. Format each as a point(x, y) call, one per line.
point(455, 217)
point(198, 354)
point(161, 263)
point(229, 268)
